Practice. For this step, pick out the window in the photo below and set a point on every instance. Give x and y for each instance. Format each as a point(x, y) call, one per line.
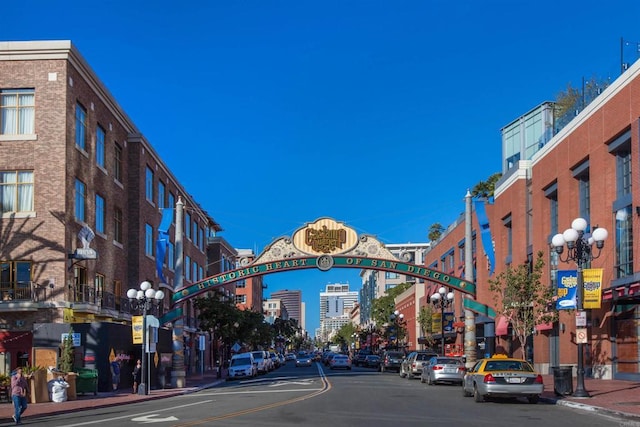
point(171, 202)
point(99, 284)
point(100, 147)
point(100, 214)
point(187, 271)
point(195, 233)
point(194, 276)
point(170, 255)
point(15, 280)
point(201, 239)
point(81, 196)
point(148, 184)
point(161, 194)
point(624, 242)
point(241, 299)
point(17, 111)
point(148, 240)
point(187, 225)
point(506, 221)
point(16, 191)
point(81, 127)
point(390, 275)
point(117, 225)
point(117, 162)
point(551, 193)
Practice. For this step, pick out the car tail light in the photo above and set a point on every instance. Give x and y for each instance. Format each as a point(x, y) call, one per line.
point(437, 368)
point(538, 380)
point(489, 379)
point(461, 369)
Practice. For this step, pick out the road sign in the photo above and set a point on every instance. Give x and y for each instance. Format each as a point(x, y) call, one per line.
point(581, 335)
point(581, 318)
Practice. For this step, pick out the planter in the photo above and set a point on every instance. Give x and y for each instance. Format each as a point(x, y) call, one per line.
point(71, 391)
point(38, 391)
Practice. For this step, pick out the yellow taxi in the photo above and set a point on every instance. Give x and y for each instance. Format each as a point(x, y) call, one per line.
point(502, 376)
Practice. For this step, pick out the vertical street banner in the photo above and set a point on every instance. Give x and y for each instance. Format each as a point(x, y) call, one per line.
point(136, 329)
point(567, 287)
point(436, 322)
point(592, 279)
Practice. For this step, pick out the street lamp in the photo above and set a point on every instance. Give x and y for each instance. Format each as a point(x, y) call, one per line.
point(144, 299)
point(397, 319)
point(579, 250)
point(442, 300)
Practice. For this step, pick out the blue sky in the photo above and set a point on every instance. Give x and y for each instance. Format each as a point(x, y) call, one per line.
point(377, 113)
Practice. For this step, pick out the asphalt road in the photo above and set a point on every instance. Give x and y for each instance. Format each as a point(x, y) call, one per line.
point(317, 396)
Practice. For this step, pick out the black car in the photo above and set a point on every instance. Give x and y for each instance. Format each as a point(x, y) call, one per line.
point(391, 361)
point(359, 359)
point(372, 361)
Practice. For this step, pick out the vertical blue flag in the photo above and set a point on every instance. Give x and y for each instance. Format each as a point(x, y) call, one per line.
point(485, 233)
point(163, 240)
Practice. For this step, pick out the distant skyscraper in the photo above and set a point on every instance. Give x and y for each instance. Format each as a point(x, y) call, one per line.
point(335, 305)
point(292, 300)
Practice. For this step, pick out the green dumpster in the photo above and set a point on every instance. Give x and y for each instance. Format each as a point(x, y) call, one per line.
point(87, 381)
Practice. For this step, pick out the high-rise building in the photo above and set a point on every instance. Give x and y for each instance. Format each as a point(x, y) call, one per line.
point(335, 305)
point(292, 300)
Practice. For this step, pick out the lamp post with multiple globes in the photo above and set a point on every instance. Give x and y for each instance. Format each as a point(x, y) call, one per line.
point(397, 319)
point(442, 300)
point(144, 298)
point(579, 250)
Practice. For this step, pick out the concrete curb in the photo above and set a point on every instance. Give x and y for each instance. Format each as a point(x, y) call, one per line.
point(591, 408)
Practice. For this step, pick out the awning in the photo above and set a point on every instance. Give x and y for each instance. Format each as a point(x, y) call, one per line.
point(544, 326)
point(502, 326)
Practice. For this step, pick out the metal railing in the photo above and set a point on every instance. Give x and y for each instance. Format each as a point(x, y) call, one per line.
point(12, 291)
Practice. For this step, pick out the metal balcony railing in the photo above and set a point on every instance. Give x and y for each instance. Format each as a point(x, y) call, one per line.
point(12, 291)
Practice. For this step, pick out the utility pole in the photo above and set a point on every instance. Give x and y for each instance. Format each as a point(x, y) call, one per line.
point(177, 359)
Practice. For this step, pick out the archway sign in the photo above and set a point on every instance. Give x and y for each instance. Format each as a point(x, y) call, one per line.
point(323, 244)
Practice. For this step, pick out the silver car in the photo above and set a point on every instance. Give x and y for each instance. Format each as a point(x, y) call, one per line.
point(441, 369)
point(501, 376)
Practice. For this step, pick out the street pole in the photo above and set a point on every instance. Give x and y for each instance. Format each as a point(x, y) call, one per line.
point(469, 317)
point(442, 326)
point(580, 390)
point(142, 387)
point(177, 358)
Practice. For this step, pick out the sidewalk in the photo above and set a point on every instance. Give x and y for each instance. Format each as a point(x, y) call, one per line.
point(613, 397)
point(193, 383)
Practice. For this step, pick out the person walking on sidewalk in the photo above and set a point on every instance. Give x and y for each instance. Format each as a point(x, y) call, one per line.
point(137, 376)
point(19, 387)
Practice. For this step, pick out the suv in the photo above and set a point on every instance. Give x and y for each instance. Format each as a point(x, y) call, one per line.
point(359, 359)
point(411, 367)
point(391, 361)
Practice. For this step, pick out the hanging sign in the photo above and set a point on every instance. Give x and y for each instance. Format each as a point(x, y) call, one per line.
point(592, 279)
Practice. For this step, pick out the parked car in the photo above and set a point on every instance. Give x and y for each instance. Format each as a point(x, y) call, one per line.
point(502, 376)
point(360, 356)
point(372, 361)
point(303, 360)
point(289, 356)
point(391, 361)
point(443, 369)
point(261, 361)
point(411, 366)
point(340, 361)
point(242, 366)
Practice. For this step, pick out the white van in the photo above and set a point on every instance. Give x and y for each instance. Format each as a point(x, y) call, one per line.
point(242, 365)
point(261, 361)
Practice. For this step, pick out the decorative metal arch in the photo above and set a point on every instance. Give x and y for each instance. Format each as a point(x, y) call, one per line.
point(323, 244)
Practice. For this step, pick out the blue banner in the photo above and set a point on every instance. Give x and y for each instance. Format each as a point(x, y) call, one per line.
point(163, 240)
point(485, 233)
point(567, 287)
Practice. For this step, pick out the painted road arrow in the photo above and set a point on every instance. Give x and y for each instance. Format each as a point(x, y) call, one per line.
point(148, 419)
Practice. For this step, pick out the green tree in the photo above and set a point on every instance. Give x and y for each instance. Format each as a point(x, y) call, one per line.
point(66, 353)
point(435, 231)
point(381, 308)
point(521, 297)
point(345, 335)
point(486, 188)
point(425, 320)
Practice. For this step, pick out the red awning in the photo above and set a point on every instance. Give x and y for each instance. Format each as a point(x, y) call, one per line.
point(544, 326)
point(502, 326)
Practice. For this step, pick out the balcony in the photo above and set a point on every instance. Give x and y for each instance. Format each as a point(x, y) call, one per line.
point(83, 299)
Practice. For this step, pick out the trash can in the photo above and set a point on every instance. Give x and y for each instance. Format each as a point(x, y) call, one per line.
point(563, 380)
point(87, 381)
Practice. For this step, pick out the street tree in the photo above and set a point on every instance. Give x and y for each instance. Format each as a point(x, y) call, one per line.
point(486, 188)
point(521, 297)
point(435, 231)
point(382, 308)
point(425, 320)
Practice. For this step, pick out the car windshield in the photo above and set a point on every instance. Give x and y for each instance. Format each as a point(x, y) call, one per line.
point(240, 361)
point(422, 356)
point(395, 354)
point(258, 355)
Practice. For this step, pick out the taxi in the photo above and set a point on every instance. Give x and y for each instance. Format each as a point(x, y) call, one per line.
point(502, 376)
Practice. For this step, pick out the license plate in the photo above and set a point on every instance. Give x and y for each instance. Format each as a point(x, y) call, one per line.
point(514, 380)
point(449, 371)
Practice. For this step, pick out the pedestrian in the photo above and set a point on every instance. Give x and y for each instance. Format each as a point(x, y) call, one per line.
point(137, 376)
point(115, 374)
point(19, 388)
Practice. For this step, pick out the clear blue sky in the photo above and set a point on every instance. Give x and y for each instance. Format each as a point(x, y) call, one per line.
point(377, 113)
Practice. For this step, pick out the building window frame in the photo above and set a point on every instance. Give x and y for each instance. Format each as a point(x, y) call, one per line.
point(118, 231)
point(80, 200)
point(100, 138)
point(17, 191)
point(17, 111)
point(148, 240)
point(117, 162)
point(148, 184)
point(101, 214)
point(81, 127)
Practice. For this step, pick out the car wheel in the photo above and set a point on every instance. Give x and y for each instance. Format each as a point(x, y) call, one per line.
point(465, 393)
point(476, 395)
point(533, 399)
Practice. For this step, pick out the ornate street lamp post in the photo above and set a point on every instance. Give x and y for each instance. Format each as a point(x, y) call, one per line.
point(397, 319)
point(144, 299)
point(579, 250)
point(442, 300)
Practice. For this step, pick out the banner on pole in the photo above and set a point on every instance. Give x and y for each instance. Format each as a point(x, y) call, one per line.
point(567, 287)
point(136, 329)
point(592, 280)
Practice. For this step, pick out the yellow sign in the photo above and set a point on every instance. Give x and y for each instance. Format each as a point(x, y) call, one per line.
point(136, 329)
point(325, 236)
point(592, 285)
point(436, 322)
